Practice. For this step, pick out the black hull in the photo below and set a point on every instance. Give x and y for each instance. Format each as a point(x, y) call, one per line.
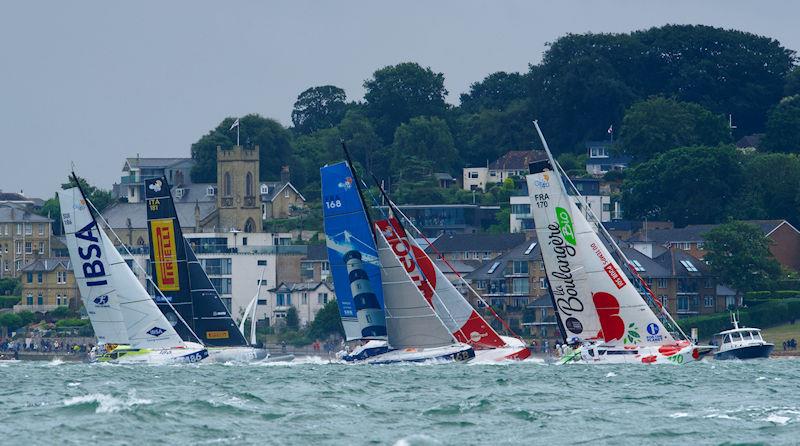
point(751, 352)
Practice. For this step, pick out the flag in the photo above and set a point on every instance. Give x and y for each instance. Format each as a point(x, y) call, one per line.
point(610, 128)
point(235, 124)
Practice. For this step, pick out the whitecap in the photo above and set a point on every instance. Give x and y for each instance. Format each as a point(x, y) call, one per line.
point(416, 439)
point(679, 415)
point(107, 403)
point(777, 419)
point(610, 375)
point(73, 384)
point(761, 378)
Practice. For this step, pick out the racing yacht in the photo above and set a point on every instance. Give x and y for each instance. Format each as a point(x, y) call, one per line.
point(129, 327)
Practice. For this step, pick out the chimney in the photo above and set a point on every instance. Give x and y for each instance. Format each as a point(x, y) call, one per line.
point(285, 176)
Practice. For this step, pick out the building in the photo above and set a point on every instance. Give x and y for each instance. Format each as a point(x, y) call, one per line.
point(48, 283)
point(513, 164)
point(444, 180)
point(437, 219)
point(24, 237)
point(238, 208)
point(280, 199)
point(473, 248)
point(785, 238)
point(136, 170)
point(593, 195)
point(601, 160)
point(315, 267)
point(306, 297)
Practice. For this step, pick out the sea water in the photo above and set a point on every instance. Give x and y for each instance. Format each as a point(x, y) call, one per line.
point(314, 402)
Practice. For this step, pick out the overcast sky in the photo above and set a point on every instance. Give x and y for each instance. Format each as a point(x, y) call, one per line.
point(95, 82)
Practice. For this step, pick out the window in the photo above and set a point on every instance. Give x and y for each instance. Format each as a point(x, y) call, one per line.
point(322, 298)
point(283, 299)
point(41, 247)
point(28, 229)
point(662, 283)
point(304, 299)
point(226, 185)
point(58, 300)
point(524, 209)
point(542, 283)
point(216, 267)
point(41, 229)
point(30, 299)
point(61, 277)
point(637, 266)
point(30, 277)
point(248, 185)
point(730, 302)
point(473, 174)
point(326, 267)
point(28, 247)
point(39, 277)
point(262, 263)
point(286, 192)
point(520, 267)
point(530, 248)
point(664, 300)
point(18, 246)
point(683, 303)
point(223, 286)
point(598, 152)
point(39, 299)
point(707, 283)
point(19, 232)
point(708, 301)
point(689, 266)
point(520, 286)
point(493, 267)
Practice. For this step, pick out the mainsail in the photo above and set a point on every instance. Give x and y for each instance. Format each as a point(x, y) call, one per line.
point(181, 278)
point(100, 263)
point(410, 319)
point(97, 292)
point(593, 298)
point(352, 255)
point(464, 323)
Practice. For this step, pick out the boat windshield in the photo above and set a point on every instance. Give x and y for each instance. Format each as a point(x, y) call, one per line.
point(726, 339)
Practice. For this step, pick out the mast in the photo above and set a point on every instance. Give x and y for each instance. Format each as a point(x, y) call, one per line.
point(358, 188)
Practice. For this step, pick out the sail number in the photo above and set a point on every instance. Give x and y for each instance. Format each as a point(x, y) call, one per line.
point(333, 202)
point(541, 200)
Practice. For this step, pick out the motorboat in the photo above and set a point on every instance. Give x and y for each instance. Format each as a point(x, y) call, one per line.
point(741, 343)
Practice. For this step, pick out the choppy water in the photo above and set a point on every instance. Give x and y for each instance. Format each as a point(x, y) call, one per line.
point(318, 403)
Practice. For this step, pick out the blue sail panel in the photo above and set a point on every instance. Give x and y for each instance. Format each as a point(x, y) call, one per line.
point(352, 255)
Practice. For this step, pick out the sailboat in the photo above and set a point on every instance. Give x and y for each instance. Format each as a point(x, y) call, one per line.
point(185, 286)
point(599, 309)
point(378, 301)
point(130, 329)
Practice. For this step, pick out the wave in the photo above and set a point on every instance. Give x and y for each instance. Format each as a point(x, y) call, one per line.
point(104, 403)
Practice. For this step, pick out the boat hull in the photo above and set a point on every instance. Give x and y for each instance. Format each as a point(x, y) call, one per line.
point(515, 350)
point(748, 352)
point(380, 353)
point(236, 354)
point(123, 354)
point(682, 352)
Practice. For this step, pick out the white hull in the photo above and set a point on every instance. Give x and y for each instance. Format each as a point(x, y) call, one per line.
point(189, 353)
point(449, 353)
point(680, 353)
point(236, 354)
point(515, 350)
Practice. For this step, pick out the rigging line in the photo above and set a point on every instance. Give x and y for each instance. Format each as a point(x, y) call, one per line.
point(147, 276)
point(559, 170)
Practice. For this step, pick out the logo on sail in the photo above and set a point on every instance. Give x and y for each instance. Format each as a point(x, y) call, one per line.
point(615, 276)
point(347, 183)
point(101, 301)
point(219, 334)
point(565, 223)
point(165, 254)
point(155, 331)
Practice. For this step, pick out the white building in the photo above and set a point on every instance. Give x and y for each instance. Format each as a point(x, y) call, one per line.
point(513, 164)
point(307, 297)
point(521, 218)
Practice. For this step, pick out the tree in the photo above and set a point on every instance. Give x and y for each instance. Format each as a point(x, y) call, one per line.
point(273, 140)
point(326, 322)
point(783, 126)
point(10, 321)
point(792, 86)
point(292, 320)
point(774, 193)
point(485, 136)
point(427, 139)
point(739, 254)
point(687, 185)
point(495, 92)
point(318, 108)
point(660, 124)
point(101, 199)
point(10, 286)
point(397, 93)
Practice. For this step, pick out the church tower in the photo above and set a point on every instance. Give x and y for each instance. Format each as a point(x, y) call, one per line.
point(238, 189)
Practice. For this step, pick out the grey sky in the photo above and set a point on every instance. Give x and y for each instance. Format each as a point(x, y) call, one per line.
point(95, 82)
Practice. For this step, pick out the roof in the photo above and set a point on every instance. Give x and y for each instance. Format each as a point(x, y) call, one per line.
point(443, 176)
point(300, 286)
point(47, 265)
point(146, 163)
point(194, 192)
point(20, 214)
point(694, 233)
point(12, 196)
point(748, 141)
point(621, 160)
point(276, 187)
point(476, 242)
point(495, 269)
point(119, 213)
point(460, 267)
point(518, 159)
point(317, 252)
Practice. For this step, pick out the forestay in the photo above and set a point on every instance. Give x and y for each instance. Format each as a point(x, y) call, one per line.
point(410, 319)
point(464, 323)
point(593, 297)
point(89, 264)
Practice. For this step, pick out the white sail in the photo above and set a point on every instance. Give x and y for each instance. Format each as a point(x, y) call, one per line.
point(593, 297)
point(410, 320)
point(89, 264)
point(146, 325)
point(453, 309)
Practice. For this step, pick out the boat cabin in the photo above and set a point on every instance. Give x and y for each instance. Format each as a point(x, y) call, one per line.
point(737, 337)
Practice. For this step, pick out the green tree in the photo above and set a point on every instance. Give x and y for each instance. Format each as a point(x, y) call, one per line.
point(426, 138)
point(292, 320)
point(318, 108)
point(9, 285)
point(397, 93)
point(792, 86)
point(783, 126)
point(274, 142)
point(364, 144)
point(10, 321)
point(686, 185)
point(660, 124)
point(100, 198)
point(739, 254)
point(774, 193)
point(326, 322)
point(495, 92)
point(484, 136)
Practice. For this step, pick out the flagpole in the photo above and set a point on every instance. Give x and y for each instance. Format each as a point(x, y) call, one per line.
point(237, 133)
